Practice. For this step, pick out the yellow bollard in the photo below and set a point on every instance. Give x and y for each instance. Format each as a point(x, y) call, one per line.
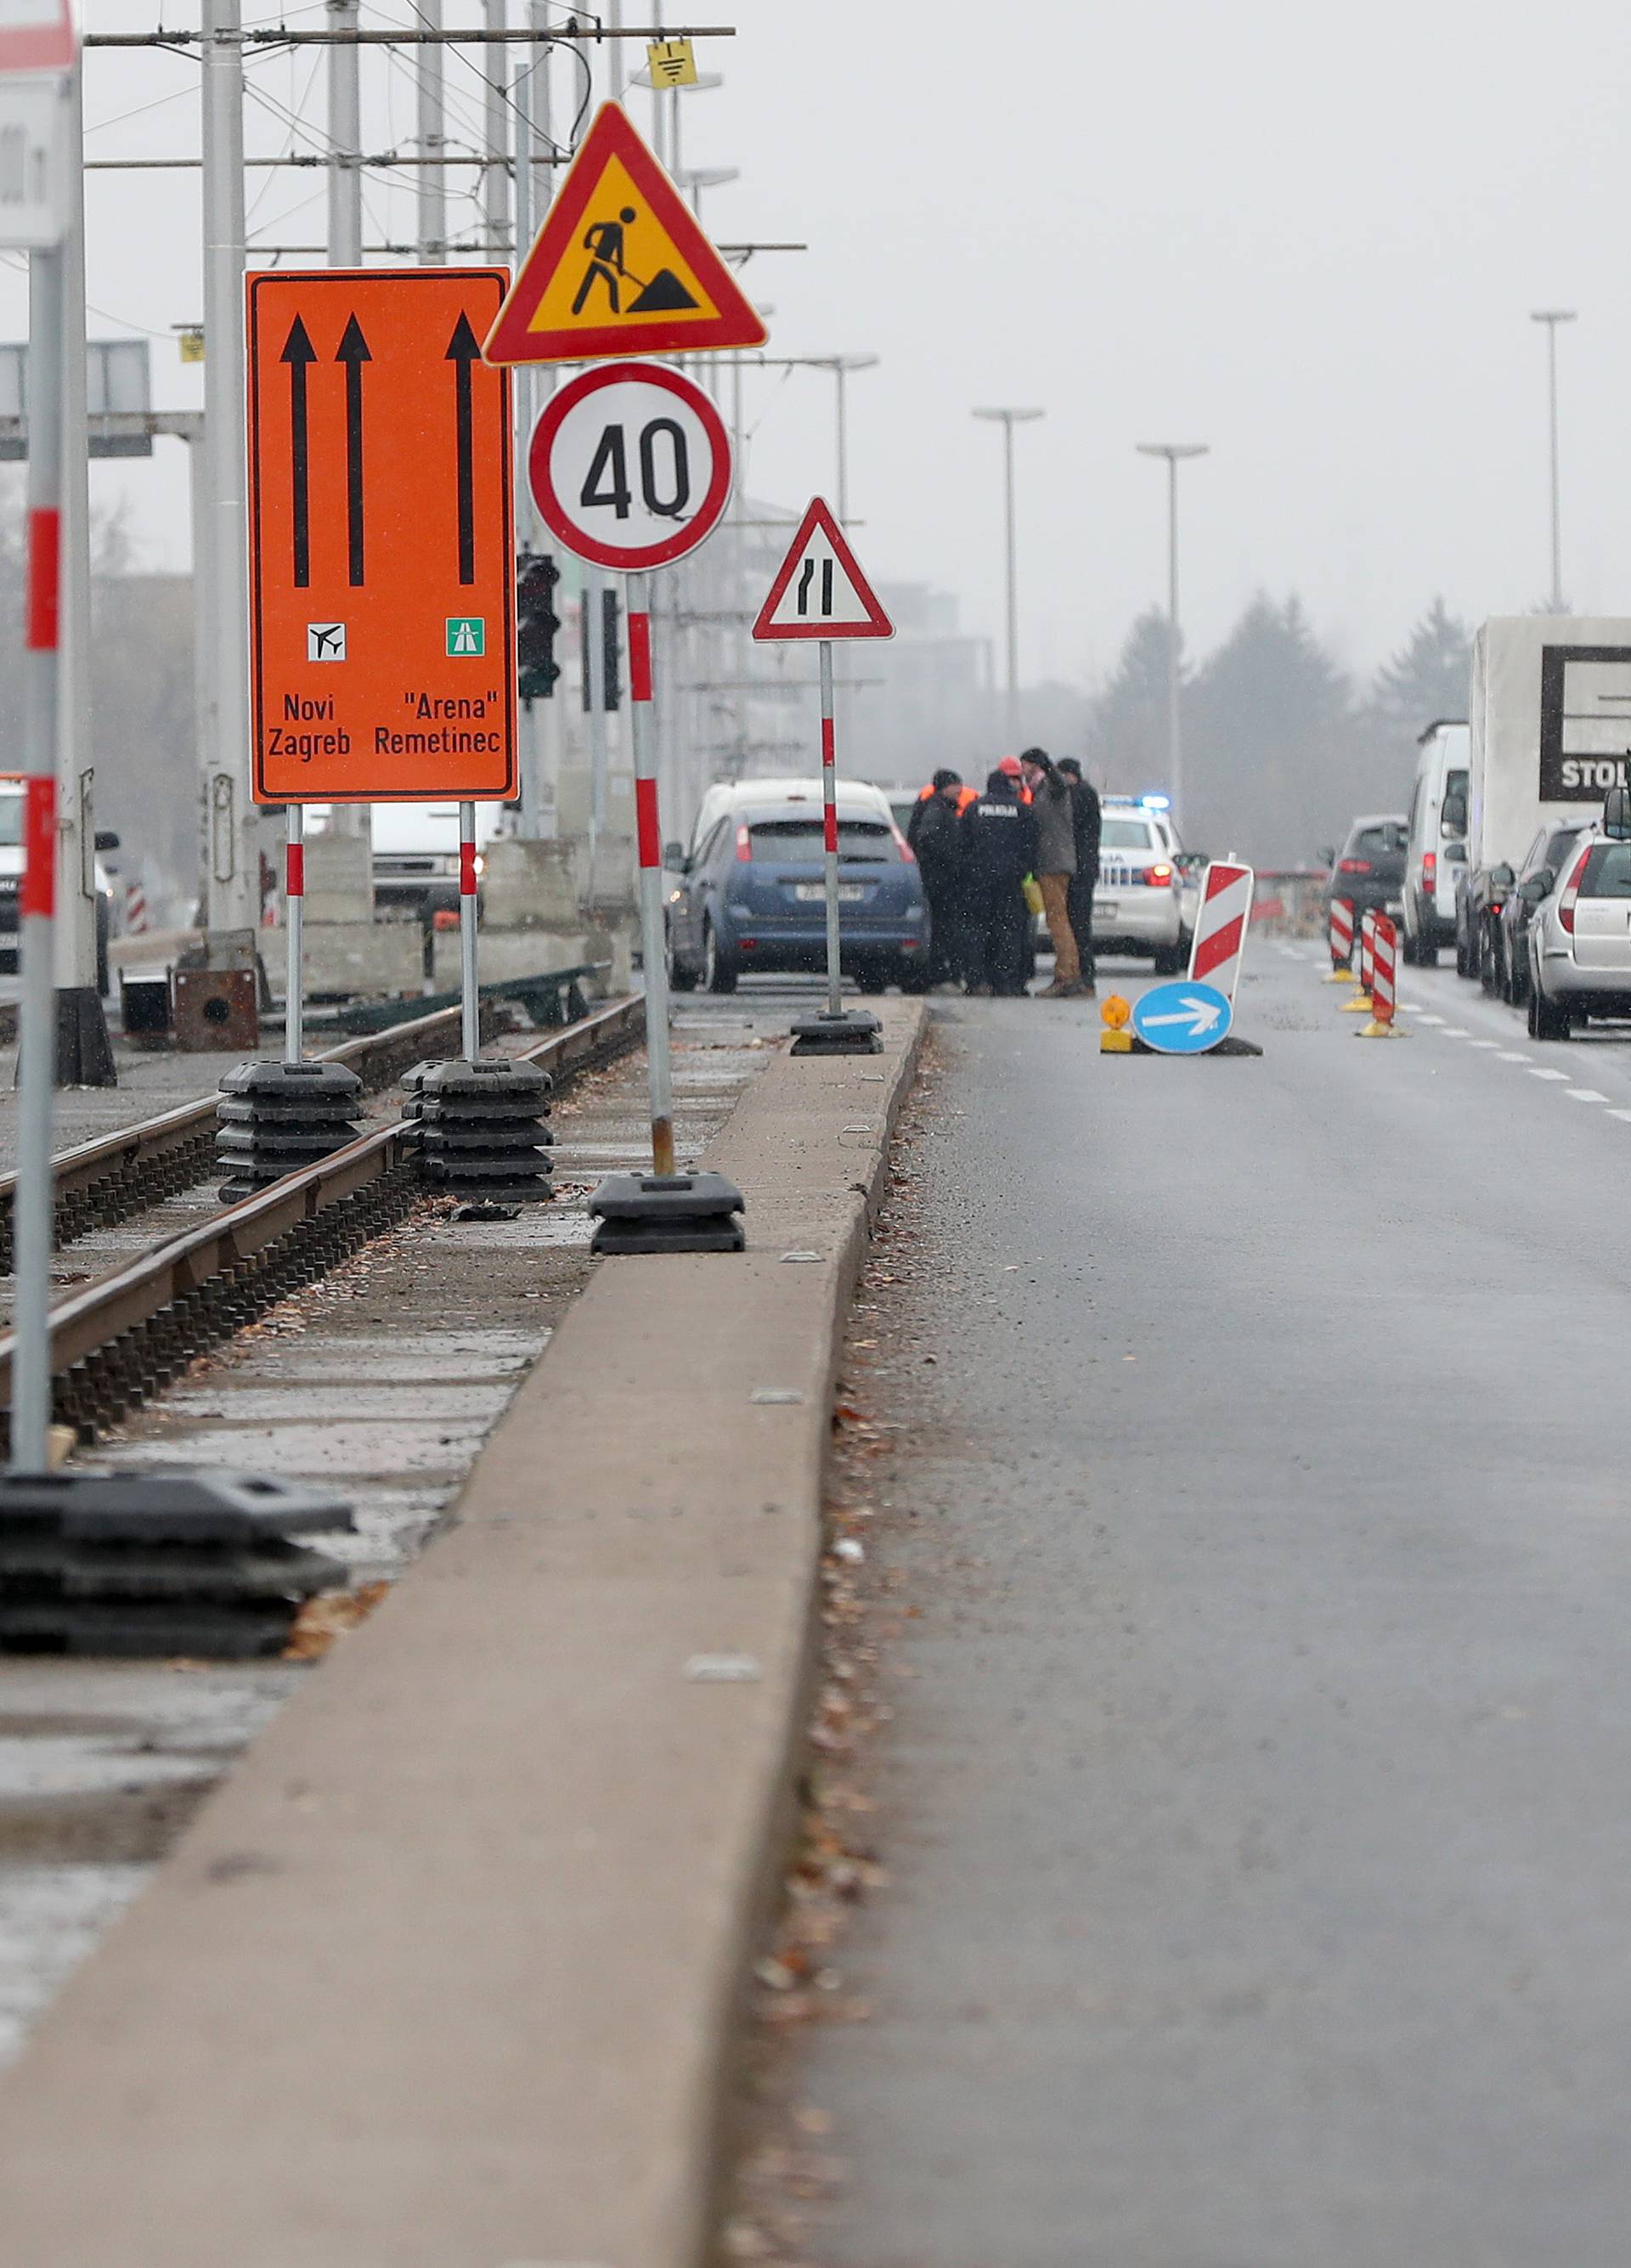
point(1115, 1039)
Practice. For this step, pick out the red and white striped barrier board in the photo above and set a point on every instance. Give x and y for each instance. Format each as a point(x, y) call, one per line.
point(1384, 962)
point(1220, 926)
point(135, 910)
point(1341, 932)
point(1367, 949)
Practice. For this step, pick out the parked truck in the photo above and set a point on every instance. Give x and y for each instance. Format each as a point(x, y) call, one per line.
point(1549, 712)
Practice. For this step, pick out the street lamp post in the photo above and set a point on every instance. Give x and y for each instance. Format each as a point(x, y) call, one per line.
point(1008, 419)
point(841, 365)
point(1552, 316)
point(1173, 452)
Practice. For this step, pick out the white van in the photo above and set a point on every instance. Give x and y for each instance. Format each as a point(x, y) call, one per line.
point(415, 855)
point(1436, 854)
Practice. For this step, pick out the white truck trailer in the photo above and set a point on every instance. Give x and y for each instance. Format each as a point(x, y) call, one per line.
point(1549, 709)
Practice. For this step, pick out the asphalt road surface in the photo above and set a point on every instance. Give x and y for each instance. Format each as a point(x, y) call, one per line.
point(1255, 1799)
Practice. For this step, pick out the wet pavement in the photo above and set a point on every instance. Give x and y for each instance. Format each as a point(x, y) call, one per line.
point(1245, 1567)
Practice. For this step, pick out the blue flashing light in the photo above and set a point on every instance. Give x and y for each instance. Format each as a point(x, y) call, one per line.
point(1156, 802)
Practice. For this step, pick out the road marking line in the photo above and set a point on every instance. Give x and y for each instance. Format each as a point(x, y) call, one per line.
point(1487, 1043)
point(1625, 1114)
point(1431, 1019)
point(1537, 1070)
point(1511, 1055)
point(1411, 1007)
point(1585, 1094)
point(1454, 1032)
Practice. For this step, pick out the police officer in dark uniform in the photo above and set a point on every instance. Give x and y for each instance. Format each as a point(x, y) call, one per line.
point(934, 836)
point(1000, 851)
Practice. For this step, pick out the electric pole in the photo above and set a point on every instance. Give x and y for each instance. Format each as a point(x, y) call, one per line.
point(431, 190)
point(232, 867)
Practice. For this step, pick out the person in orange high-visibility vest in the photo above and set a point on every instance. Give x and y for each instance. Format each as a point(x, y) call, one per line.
point(935, 840)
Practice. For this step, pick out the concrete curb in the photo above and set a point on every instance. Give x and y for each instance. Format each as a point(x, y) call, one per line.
point(445, 1974)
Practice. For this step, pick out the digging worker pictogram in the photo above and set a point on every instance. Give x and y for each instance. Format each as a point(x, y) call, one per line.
point(605, 241)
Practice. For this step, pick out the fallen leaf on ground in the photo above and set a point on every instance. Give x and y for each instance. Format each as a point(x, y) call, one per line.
point(321, 1621)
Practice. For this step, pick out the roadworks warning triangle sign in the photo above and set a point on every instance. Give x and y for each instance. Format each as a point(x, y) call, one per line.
point(620, 267)
point(819, 590)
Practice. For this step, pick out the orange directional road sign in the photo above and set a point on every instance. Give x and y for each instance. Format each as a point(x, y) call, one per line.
point(381, 538)
point(620, 267)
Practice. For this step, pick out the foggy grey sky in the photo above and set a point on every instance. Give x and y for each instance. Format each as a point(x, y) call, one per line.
point(1310, 238)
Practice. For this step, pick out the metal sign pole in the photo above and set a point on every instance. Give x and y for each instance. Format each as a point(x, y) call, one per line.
point(294, 922)
point(466, 931)
point(830, 820)
point(30, 1375)
point(649, 836)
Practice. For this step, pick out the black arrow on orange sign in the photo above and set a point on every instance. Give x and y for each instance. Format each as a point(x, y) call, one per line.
point(464, 349)
point(299, 354)
point(353, 353)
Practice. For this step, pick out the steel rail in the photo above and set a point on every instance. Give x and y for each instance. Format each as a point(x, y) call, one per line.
point(117, 1340)
point(98, 1183)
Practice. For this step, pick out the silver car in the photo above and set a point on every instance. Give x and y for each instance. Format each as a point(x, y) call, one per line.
point(1580, 940)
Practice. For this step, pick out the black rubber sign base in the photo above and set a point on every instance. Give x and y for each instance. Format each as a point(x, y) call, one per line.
point(667, 1212)
point(853, 1032)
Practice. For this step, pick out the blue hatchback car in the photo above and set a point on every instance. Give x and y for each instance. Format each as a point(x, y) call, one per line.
point(752, 896)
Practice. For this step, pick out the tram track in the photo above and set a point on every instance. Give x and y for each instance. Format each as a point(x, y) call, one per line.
point(104, 1182)
point(121, 1338)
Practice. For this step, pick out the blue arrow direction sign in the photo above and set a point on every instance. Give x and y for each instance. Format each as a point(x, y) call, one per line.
point(1183, 1019)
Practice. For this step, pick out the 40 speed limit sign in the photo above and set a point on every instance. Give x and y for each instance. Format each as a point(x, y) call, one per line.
point(630, 465)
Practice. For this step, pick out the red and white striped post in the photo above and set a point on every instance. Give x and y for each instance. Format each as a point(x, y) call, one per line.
point(469, 878)
point(30, 1365)
point(1341, 935)
point(648, 838)
point(1384, 962)
point(134, 909)
point(294, 923)
point(830, 823)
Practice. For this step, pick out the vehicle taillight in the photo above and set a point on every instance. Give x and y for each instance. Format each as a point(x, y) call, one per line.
point(1156, 877)
point(745, 845)
point(905, 848)
point(1571, 891)
point(1430, 870)
point(1494, 905)
point(1352, 866)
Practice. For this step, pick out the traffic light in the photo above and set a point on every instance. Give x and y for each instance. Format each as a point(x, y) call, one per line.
point(611, 651)
point(611, 646)
point(536, 624)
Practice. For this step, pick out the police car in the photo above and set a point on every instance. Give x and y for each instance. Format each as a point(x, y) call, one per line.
point(1138, 905)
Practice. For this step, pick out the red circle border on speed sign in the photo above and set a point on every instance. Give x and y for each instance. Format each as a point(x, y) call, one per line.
point(557, 518)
